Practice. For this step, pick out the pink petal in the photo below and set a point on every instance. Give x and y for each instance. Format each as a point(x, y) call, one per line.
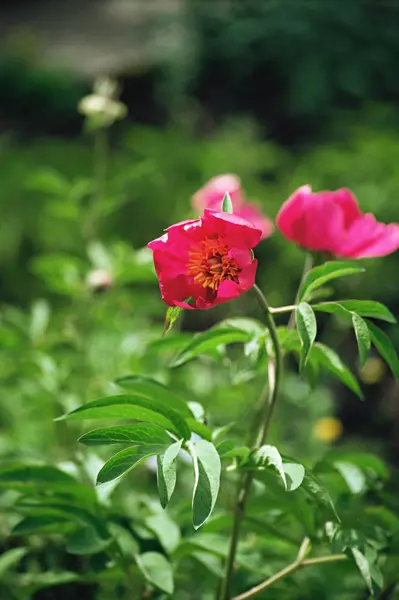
point(250, 212)
point(367, 238)
point(211, 195)
point(237, 231)
point(348, 203)
point(243, 256)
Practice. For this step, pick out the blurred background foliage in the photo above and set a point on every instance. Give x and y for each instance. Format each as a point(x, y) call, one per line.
point(282, 93)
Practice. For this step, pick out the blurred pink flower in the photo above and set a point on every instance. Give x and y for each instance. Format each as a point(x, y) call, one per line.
point(331, 221)
point(211, 196)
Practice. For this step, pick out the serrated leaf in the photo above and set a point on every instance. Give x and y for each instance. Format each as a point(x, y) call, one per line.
point(364, 308)
point(125, 406)
point(318, 276)
point(85, 541)
point(154, 390)
point(157, 570)
point(227, 205)
point(294, 474)
point(330, 361)
point(385, 347)
point(269, 456)
point(125, 460)
point(207, 469)
point(307, 329)
point(208, 341)
point(316, 490)
point(362, 336)
point(166, 472)
point(142, 434)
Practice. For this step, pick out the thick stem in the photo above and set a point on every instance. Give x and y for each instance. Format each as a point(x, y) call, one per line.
point(299, 563)
point(269, 397)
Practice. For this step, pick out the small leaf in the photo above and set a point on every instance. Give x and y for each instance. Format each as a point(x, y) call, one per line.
point(154, 390)
point(10, 559)
point(385, 347)
point(157, 570)
point(143, 434)
point(362, 336)
point(330, 360)
point(172, 314)
point(269, 456)
point(364, 308)
point(294, 474)
point(316, 490)
point(166, 472)
point(85, 541)
point(364, 568)
point(125, 460)
point(208, 341)
point(307, 329)
point(227, 205)
point(207, 469)
point(125, 406)
point(324, 273)
point(354, 477)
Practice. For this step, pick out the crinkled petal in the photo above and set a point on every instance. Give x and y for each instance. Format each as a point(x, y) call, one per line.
point(348, 203)
point(237, 231)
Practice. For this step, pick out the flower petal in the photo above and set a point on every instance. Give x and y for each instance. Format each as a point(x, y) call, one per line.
point(250, 212)
point(367, 238)
point(211, 194)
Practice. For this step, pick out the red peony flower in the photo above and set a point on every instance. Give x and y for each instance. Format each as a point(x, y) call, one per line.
point(211, 196)
point(332, 222)
point(208, 260)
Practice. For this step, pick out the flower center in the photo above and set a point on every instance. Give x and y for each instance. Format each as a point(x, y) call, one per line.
point(210, 264)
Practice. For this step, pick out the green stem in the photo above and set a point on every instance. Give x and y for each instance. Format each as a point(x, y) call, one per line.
point(100, 158)
point(308, 265)
point(268, 399)
point(298, 563)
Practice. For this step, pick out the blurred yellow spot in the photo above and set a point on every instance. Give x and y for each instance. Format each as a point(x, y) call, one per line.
point(373, 371)
point(327, 429)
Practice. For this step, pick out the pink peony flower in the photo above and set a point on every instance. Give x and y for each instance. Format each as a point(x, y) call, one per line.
point(332, 222)
point(211, 196)
point(208, 260)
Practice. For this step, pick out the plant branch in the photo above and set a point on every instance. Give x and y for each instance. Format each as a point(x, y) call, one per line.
point(268, 399)
point(298, 563)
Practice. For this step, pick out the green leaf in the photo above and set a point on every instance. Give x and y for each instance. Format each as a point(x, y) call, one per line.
point(200, 429)
point(85, 541)
point(37, 475)
point(353, 476)
point(207, 469)
point(364, 567)
point(41, 523)
point(125, 460)
point(142, 434)
point(364, 308)
point(385, 347)
point(307, 329)
point(330, 361)
point(157, 570)
point(139, 408)
point(317, 492)
point(10, 559)
point(166, 472)
point(269, 456)
point(208, 341)
point(165, 529)
point(294, 474)
point(324, 273)
point(227, 205)
point(172, 314)
point(154, 390)
point(362, 336)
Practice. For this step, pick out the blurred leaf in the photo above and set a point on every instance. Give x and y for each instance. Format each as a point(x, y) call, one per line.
point(227, 205)
point(166, 472)
point(125, 460)
point(364, 308)
point(150, 388)
point(165, 529)
point(39, 524)
point(294, 474)
point(385, 347)
point(132, 407)
point(10, 559)
point(352, 475)
point(142, 434)
point(368, 568)
point(330, 361)
point(269, 456)
point(157, 570)
point(209, 340)
point(172, 314)
point(40, 316)
point(85, 541)
point(307, 329)
point(37, 475)
point(362, 337)
point(317, 492)
point(207, 469)
point(324, 273)
point(48, 181)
